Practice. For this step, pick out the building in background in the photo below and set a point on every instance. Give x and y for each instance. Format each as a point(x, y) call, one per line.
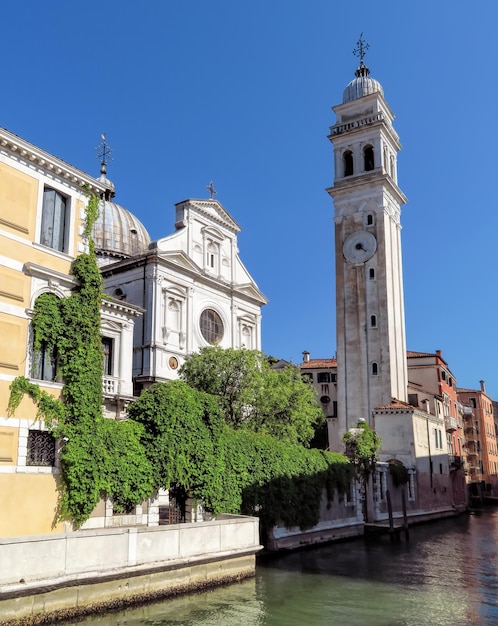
point(482, 441)
point(322, 373)
point(432, 385)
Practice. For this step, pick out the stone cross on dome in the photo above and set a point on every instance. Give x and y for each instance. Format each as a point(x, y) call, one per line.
point(362, 48)
point(104, 154)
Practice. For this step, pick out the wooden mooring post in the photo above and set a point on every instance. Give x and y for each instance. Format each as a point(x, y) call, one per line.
point(395, 532)
point(390, 512)
point(405, 517)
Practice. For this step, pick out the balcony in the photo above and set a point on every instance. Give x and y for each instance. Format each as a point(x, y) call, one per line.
point(451, 423)
point(456, 462)
point(110, 386)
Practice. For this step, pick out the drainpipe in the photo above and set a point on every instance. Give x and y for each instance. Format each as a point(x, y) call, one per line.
point(429, 440)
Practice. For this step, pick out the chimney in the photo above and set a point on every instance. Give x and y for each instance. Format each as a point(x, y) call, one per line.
point(306, 356)
point(483, 386)
point(439, 354)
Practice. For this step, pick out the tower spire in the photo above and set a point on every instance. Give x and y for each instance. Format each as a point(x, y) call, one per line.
point(361, 51)
point(104, 156)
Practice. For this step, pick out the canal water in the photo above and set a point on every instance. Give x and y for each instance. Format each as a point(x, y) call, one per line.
point(445, 575)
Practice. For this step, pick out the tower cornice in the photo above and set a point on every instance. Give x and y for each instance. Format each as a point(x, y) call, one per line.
point(377, 179)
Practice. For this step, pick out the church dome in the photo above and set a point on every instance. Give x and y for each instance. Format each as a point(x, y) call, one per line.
point(117, 233)
point(361, 85)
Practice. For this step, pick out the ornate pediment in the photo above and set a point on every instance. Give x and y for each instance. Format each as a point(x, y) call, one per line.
point(249, 290)
point(210, 209)
point(180, 259)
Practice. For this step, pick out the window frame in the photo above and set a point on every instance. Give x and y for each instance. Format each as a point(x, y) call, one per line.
point(41, 449)
point(55, 219)
point(211, 326)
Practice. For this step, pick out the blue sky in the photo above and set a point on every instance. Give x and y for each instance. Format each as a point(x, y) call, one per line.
point(241, 93)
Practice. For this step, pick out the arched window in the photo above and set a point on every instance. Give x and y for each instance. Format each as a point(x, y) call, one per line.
point(375, 369)
point(368, 158)
point(174, 315)
point(212, 256)
point(370, 219)
point(371, 273)
point(347, 158)
point(246, 341)
point(45, 355)
point(373, 321)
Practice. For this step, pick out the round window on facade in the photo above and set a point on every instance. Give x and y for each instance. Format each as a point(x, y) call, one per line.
point(324, 399)
point(211, 326)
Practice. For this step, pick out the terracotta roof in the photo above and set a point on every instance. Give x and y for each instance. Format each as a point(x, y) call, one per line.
point(410, 353)
point(319, 363)
point(395, 404)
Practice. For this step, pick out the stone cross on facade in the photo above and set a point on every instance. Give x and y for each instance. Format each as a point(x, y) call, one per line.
point(212, 190)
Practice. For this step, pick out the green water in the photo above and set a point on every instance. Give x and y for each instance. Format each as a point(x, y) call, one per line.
point(447, 574)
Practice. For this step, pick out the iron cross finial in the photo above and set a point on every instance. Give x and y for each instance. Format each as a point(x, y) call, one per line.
point(212, 190)
point(362, 48)
point(104, 154)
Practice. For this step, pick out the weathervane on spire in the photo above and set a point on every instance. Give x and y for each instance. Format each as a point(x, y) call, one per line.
point(362, 48)
point(104, 154)
point(212, 190)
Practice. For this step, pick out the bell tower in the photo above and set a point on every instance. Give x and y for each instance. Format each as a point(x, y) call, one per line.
point(371, 344)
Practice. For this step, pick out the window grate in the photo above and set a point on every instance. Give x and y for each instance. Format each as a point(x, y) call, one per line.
point(41, 448)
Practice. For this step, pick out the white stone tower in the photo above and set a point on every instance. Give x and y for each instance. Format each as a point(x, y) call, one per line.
point(371, 344)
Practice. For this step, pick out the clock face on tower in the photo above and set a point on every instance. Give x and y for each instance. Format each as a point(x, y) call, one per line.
point(359, 246)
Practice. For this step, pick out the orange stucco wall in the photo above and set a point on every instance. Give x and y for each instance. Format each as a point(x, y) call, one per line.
point(28, 504)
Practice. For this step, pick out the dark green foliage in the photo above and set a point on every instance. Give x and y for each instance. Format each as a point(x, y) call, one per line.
point(362, 446)
point(233, 470)
point(253, 396)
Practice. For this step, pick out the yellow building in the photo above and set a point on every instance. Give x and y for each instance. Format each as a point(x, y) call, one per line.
point(42, 208)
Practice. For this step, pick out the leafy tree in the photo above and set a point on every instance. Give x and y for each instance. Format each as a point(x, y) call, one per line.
point(362, 446)
point(233, 376)
point(287, 407)
point(253, 396)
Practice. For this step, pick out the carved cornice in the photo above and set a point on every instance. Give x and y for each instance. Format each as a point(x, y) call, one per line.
point(26, 152)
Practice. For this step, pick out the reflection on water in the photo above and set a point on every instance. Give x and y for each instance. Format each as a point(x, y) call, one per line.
point(445, 575)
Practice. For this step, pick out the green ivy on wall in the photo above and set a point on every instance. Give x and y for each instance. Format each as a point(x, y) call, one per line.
point(97, 456)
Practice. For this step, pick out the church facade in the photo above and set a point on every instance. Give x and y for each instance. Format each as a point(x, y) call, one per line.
point(193, 286)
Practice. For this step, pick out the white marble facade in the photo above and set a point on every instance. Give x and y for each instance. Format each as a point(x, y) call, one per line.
point(194, 290)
